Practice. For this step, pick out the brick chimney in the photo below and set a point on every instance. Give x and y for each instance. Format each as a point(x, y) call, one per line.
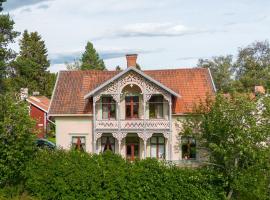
point(259, 89)
point(131, 60)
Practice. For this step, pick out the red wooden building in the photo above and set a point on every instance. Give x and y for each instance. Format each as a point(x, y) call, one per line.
point(39, 106)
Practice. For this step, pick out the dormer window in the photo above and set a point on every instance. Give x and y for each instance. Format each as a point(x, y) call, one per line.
point(108, 108)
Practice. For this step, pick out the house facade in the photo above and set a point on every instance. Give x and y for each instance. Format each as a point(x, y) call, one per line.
point(135, 113)
point(38, 110)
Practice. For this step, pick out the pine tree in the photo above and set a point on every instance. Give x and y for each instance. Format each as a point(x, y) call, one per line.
point(7, 36)
point(32, 64)
point(91, 60)
point(118, 68)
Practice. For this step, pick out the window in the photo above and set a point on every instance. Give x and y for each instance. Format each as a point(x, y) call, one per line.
point(78, 143)
point(188, 148)
point(107, 143)
point(132, 107)
point(108, 108)
point(156, 107)
point(157, 147)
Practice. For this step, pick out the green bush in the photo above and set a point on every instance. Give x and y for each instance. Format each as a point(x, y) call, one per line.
point(75, 175)
point(16, 140)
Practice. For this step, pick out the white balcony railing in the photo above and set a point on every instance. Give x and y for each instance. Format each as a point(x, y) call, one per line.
point(153, 124)
point(106, 124)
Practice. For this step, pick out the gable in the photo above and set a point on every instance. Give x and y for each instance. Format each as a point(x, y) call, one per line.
point(131, 75)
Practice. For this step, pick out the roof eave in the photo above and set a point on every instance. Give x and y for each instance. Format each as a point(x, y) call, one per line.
point(36, 105)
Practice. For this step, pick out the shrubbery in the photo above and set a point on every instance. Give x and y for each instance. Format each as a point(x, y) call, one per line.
point(16, 140)
point(75, 175)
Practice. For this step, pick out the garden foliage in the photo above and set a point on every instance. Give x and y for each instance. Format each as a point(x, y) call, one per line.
point(75, 175)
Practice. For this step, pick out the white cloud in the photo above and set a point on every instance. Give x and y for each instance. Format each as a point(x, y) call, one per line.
point(152, 30)
point(14, 4)
point(104, 53)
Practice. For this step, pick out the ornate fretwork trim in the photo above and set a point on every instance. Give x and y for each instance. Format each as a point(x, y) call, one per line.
point(166, 135)
point(97, 136)
point(145, 136)
point(119, 136)
point(114, 89)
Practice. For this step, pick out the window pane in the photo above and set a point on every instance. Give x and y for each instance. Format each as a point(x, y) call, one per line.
point(103, 140)
point(135, 99)
point(74, 140)
point(152, 110)
point(159, 110)
point(154, 140)
point(78, 143)
point(128, 99)
point(108, 143)
point(136, 110)
point(193, 152)
point(153, 151)
point(128, 111)
point(161, 140)
point(128, 150)
point(112, 110)
point(188, 148)
point(83, 140)
point(105, 110)
point(111, 139)
point(161, 151)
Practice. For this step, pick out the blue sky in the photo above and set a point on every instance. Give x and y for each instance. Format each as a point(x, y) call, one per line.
point(165, 33)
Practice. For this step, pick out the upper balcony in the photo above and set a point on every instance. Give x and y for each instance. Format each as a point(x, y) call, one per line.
point(132, 112)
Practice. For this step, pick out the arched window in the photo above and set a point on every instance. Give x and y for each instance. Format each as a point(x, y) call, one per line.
point(108, 143)
point(132, 95)
point(188, 147)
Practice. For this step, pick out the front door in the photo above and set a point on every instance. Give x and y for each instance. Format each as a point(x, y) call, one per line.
point(132, 148)
point(132, 152)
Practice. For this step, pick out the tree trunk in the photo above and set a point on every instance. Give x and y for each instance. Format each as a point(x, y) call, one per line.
point(229, 196)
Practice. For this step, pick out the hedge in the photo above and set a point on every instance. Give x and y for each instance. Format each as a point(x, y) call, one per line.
point(75, 175)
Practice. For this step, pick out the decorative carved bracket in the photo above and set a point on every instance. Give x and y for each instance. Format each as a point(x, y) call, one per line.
point(98, 135)
point(166, 135)
point(119, 136)
point(145, 136)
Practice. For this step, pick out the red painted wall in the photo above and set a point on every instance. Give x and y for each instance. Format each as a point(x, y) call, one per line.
point(38, 115)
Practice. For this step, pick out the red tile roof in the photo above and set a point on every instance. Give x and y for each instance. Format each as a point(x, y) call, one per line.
point(193, 85)
point(41, 102)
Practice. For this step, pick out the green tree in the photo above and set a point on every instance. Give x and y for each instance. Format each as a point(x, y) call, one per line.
point(76, 65)
point(16, 139)
point(7, 36)
point(221, 70)
point(31, 66)
point(91, 60)
point(252, 66)
point(235, 130)
point(118, 68)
